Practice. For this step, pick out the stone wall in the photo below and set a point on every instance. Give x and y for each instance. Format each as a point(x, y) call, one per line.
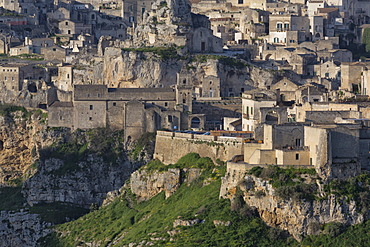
point(169, 149)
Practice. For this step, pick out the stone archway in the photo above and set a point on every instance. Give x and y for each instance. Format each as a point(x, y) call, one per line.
point(195, 123)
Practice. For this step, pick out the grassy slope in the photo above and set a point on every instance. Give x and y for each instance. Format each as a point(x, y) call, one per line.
point(157, 216)
point(125, 221)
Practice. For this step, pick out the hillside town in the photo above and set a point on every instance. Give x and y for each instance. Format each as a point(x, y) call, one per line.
point(184, 122)
point(277, 70)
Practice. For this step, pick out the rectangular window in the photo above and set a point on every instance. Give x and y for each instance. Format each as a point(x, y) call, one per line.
point(240, 1)
point(279, 26)
point(326, 74)
point(298, 142)
point(91, 107)
point(114, 103)
point(90, 118)
point(297, 156)
point(169, 118)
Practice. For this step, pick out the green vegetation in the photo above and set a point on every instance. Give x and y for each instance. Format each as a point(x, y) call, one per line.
point(126, 222)
point(190, 160)
point(145, 142)
point(336, 235)
point(162, 4)
point(227, 61)
point(102, 142)
point(366, 39)
point(7, 109)
point(34, 57)
point(288, 182)
point(58, 213)
point(165, 53)
point(356, 188)
point(11, 198)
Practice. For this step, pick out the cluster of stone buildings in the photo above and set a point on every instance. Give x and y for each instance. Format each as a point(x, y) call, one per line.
point(78, 53)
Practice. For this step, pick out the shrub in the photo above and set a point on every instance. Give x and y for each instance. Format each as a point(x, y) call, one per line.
point(297, 192)
point(333, 229)
point(256, 171)
point(259, 194)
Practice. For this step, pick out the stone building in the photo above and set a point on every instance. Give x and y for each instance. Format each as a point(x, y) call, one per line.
point(19, 50)
point(69, 27)
point(287, 89)
point(252, 102)
point(288, 29)
point(323, 146)
point(171, 22)
point(328, 70)
point(351, 76)
point(137, 110)
point(64, 80)
point(208, 88)
point(311, 93)
point(253, 24)
point(54, 53)
point(12, 76)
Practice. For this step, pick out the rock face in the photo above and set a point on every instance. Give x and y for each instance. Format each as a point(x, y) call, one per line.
point(138, 69)
point(147, 184)
point(163, 23)
point(21, 229)
point(300, 217)
point(25, 97)
point(133, 69)
point(86, 183)
point(21, 137)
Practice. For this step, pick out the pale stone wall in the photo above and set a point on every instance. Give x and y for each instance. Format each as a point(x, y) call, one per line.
point(350, 75)
point(170, 149)
point(316, 139)
point(249, 149)
point(293, 157)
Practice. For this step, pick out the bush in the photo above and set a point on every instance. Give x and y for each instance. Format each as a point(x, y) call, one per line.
point(297, 192)
point(259, 194)
point(333, 229)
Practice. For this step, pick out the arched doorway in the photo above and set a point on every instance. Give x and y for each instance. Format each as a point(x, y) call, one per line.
point(195, 123)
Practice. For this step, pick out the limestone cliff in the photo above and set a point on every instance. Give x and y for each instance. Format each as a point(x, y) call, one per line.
point(81, 168)
point(138, 69)
point(298, 217)
point(21, 229)
point(134, 69)
point(146, 184)
point(22, 134)
point(84, 184)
